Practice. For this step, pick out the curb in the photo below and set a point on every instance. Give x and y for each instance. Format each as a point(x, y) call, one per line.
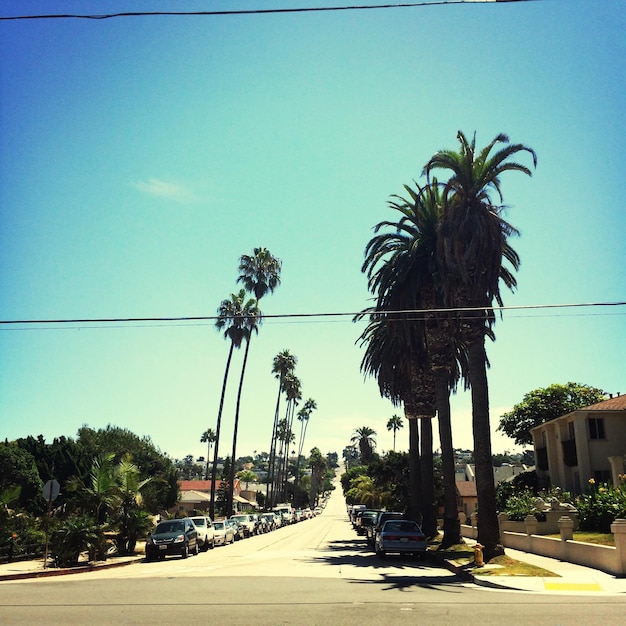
point(68, 570)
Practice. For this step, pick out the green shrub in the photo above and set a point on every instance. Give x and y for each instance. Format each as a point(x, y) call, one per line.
point(76, 535)
point(601, 506)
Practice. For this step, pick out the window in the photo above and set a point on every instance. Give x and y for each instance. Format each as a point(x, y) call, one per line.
point(602, 476)
point(596, 428)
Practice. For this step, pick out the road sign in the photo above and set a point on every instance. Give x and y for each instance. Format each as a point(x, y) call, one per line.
point(51, 490)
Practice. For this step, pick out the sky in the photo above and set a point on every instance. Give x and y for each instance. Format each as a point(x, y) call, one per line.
point(140, 157)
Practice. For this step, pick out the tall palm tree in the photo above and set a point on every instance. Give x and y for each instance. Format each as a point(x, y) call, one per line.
point(395, 423)
point(472, 248)
point(208, 437)
point(293, 392)
point(284, 363)
point(399, 265)
point(303, 417)
point(230, 319)
point(404, 258)
point(251, 320)
point(365, 437)
point(259, 272)
point(260, 275)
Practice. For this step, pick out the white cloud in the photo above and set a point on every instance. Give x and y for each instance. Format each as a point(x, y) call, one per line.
point(166, 190)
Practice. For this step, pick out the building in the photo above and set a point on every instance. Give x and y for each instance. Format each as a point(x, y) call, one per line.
point(195, 495)
point(586, 444)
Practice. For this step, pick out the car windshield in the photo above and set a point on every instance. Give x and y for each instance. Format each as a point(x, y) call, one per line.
point(218, 525)
point(170, 527)
point(199, 521)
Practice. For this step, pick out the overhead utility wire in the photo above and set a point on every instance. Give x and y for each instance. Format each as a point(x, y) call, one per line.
point(365, 7)
point(360, 314)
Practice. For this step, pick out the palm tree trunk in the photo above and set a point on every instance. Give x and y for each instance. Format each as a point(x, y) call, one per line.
point(413, 509)
point(231, 481)
point(427, 483)
point(488, 528)
point(272, 460)
point(451, 523)
point(217, 433)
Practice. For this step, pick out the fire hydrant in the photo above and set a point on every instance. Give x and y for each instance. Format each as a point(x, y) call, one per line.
point(478, 555)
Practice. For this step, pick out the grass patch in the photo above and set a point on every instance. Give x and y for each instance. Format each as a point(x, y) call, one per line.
point(461, 552)
point(601, 539)
point(511, 567)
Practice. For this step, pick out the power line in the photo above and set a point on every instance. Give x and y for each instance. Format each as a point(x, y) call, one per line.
point(320, 315)
point(105, 16)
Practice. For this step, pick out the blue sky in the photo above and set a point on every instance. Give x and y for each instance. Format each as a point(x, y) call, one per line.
point(140, 157)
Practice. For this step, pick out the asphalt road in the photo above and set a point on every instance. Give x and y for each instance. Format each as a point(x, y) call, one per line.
point(315, 572)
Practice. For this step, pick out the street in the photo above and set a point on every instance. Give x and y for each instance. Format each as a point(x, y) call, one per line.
point(315, 572)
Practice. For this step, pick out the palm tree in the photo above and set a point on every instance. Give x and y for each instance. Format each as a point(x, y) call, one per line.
point(247, 476)
point(259, 272)
point(303, 417)
point(284, 363)
point(260, 275)
point(208, 437)
point(404, 260)
point(395, 423)
point(365, 437)
point(472, 247)
point(251, 320)
point(230, 318)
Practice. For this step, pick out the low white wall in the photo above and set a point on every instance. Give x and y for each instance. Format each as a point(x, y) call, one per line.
point(605, 558)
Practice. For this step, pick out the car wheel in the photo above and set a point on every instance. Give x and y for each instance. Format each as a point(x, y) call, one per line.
point(196, 550)
point(380, 554)
point(185, 551)
point(212, 543)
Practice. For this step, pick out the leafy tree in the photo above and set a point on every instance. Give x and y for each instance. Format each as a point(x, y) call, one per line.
point(472, 247)
point(544, 404)
point(18, 469)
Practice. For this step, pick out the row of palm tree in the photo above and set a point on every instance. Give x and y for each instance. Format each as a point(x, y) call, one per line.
point(239, 317)
point(283, 368)
point(435, 273)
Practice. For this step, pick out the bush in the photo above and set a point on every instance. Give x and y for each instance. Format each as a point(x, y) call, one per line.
point(601, 506)
point(74, 536)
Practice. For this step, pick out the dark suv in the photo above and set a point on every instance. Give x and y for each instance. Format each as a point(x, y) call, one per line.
point(174, 536)
point(374, 529)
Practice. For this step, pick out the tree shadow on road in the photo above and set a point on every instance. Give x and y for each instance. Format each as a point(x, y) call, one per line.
point(414, 571)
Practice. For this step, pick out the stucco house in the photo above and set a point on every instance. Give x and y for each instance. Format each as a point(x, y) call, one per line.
point(196, 495)
point(586, 444)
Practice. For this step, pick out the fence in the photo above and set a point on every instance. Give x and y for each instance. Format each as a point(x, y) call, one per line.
point(605, 558)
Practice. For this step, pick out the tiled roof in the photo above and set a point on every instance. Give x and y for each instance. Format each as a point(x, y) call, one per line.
point(618, 403)
point(466, 488)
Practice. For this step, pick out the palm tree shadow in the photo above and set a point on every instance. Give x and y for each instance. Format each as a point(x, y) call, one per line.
point(414, 571)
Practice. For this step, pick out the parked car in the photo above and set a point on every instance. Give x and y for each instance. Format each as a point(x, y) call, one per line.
point(366, 518)
point(381, 518)
point(269, 520)
point(206, 534)
point(402, 536)
point(223, 533)
point(248, 523)
point(176, 536)
point(238, 529)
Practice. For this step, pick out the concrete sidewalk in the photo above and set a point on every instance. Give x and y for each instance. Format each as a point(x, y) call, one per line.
point(19, 570)
point(570, 578)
